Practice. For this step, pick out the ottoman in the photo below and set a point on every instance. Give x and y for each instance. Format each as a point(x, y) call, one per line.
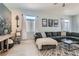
point(45, 41)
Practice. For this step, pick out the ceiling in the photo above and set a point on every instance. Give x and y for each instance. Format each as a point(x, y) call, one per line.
point(69, 9)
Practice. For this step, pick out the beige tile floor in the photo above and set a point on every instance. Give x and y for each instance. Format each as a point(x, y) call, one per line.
point(26, 48)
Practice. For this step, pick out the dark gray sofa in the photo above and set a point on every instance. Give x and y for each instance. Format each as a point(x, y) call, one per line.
point(57, 36)
point(72, 35)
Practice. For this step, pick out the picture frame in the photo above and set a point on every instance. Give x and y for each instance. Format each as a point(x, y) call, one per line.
point(44, 22)
point(55, 23)
point(50, 22)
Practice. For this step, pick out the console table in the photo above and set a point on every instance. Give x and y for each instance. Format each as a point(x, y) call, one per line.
point(2, 39)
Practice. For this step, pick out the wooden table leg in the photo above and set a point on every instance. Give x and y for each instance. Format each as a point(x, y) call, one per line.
point(2, 46)
point(7, 44)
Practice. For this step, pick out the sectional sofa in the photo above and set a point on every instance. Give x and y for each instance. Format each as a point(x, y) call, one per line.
point(57, 36)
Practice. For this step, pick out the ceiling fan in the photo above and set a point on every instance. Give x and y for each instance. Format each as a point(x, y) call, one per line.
point(63, 4)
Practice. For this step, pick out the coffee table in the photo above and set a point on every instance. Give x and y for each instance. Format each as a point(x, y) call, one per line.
point(70, 44)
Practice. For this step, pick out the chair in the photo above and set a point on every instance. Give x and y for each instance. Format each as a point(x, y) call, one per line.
point(18, 37)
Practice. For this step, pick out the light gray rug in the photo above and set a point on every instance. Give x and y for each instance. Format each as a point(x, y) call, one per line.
point(62, 50)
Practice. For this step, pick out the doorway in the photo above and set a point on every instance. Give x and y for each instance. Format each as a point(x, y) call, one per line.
point(29, 26)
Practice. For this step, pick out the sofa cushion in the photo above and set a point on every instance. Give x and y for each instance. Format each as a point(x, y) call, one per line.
point(48, 34)
point(68, 34)
point(37, 35)
point(75, 34)
point(57, 38)
point(58, 33)
point(54, 33)
point(43, 34)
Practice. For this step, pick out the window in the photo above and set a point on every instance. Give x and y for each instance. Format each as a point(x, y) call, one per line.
point(30, 26)
point(66, 25)
point(30, 17)
point(30, 23)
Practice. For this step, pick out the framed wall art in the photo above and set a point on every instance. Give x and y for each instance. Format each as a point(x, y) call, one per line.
point(55, 23)
point(44, 22)
point(50, 22)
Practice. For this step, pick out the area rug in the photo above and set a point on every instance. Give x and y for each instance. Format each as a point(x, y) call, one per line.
point(62, 50)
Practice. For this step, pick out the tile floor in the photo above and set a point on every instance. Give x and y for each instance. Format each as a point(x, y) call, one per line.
point(26, 48)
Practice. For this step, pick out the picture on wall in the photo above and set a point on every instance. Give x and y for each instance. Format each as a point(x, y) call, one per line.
point(50, 22)
point(55, 23)
point(44, 22)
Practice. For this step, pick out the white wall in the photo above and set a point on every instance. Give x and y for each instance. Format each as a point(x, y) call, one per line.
point(75, 23)
point(39, 27)
point(22, 23)
point(24, 36)
point(14, 13)
point(38, 22)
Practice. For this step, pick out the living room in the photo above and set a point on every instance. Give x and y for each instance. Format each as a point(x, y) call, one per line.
point(40, 28)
